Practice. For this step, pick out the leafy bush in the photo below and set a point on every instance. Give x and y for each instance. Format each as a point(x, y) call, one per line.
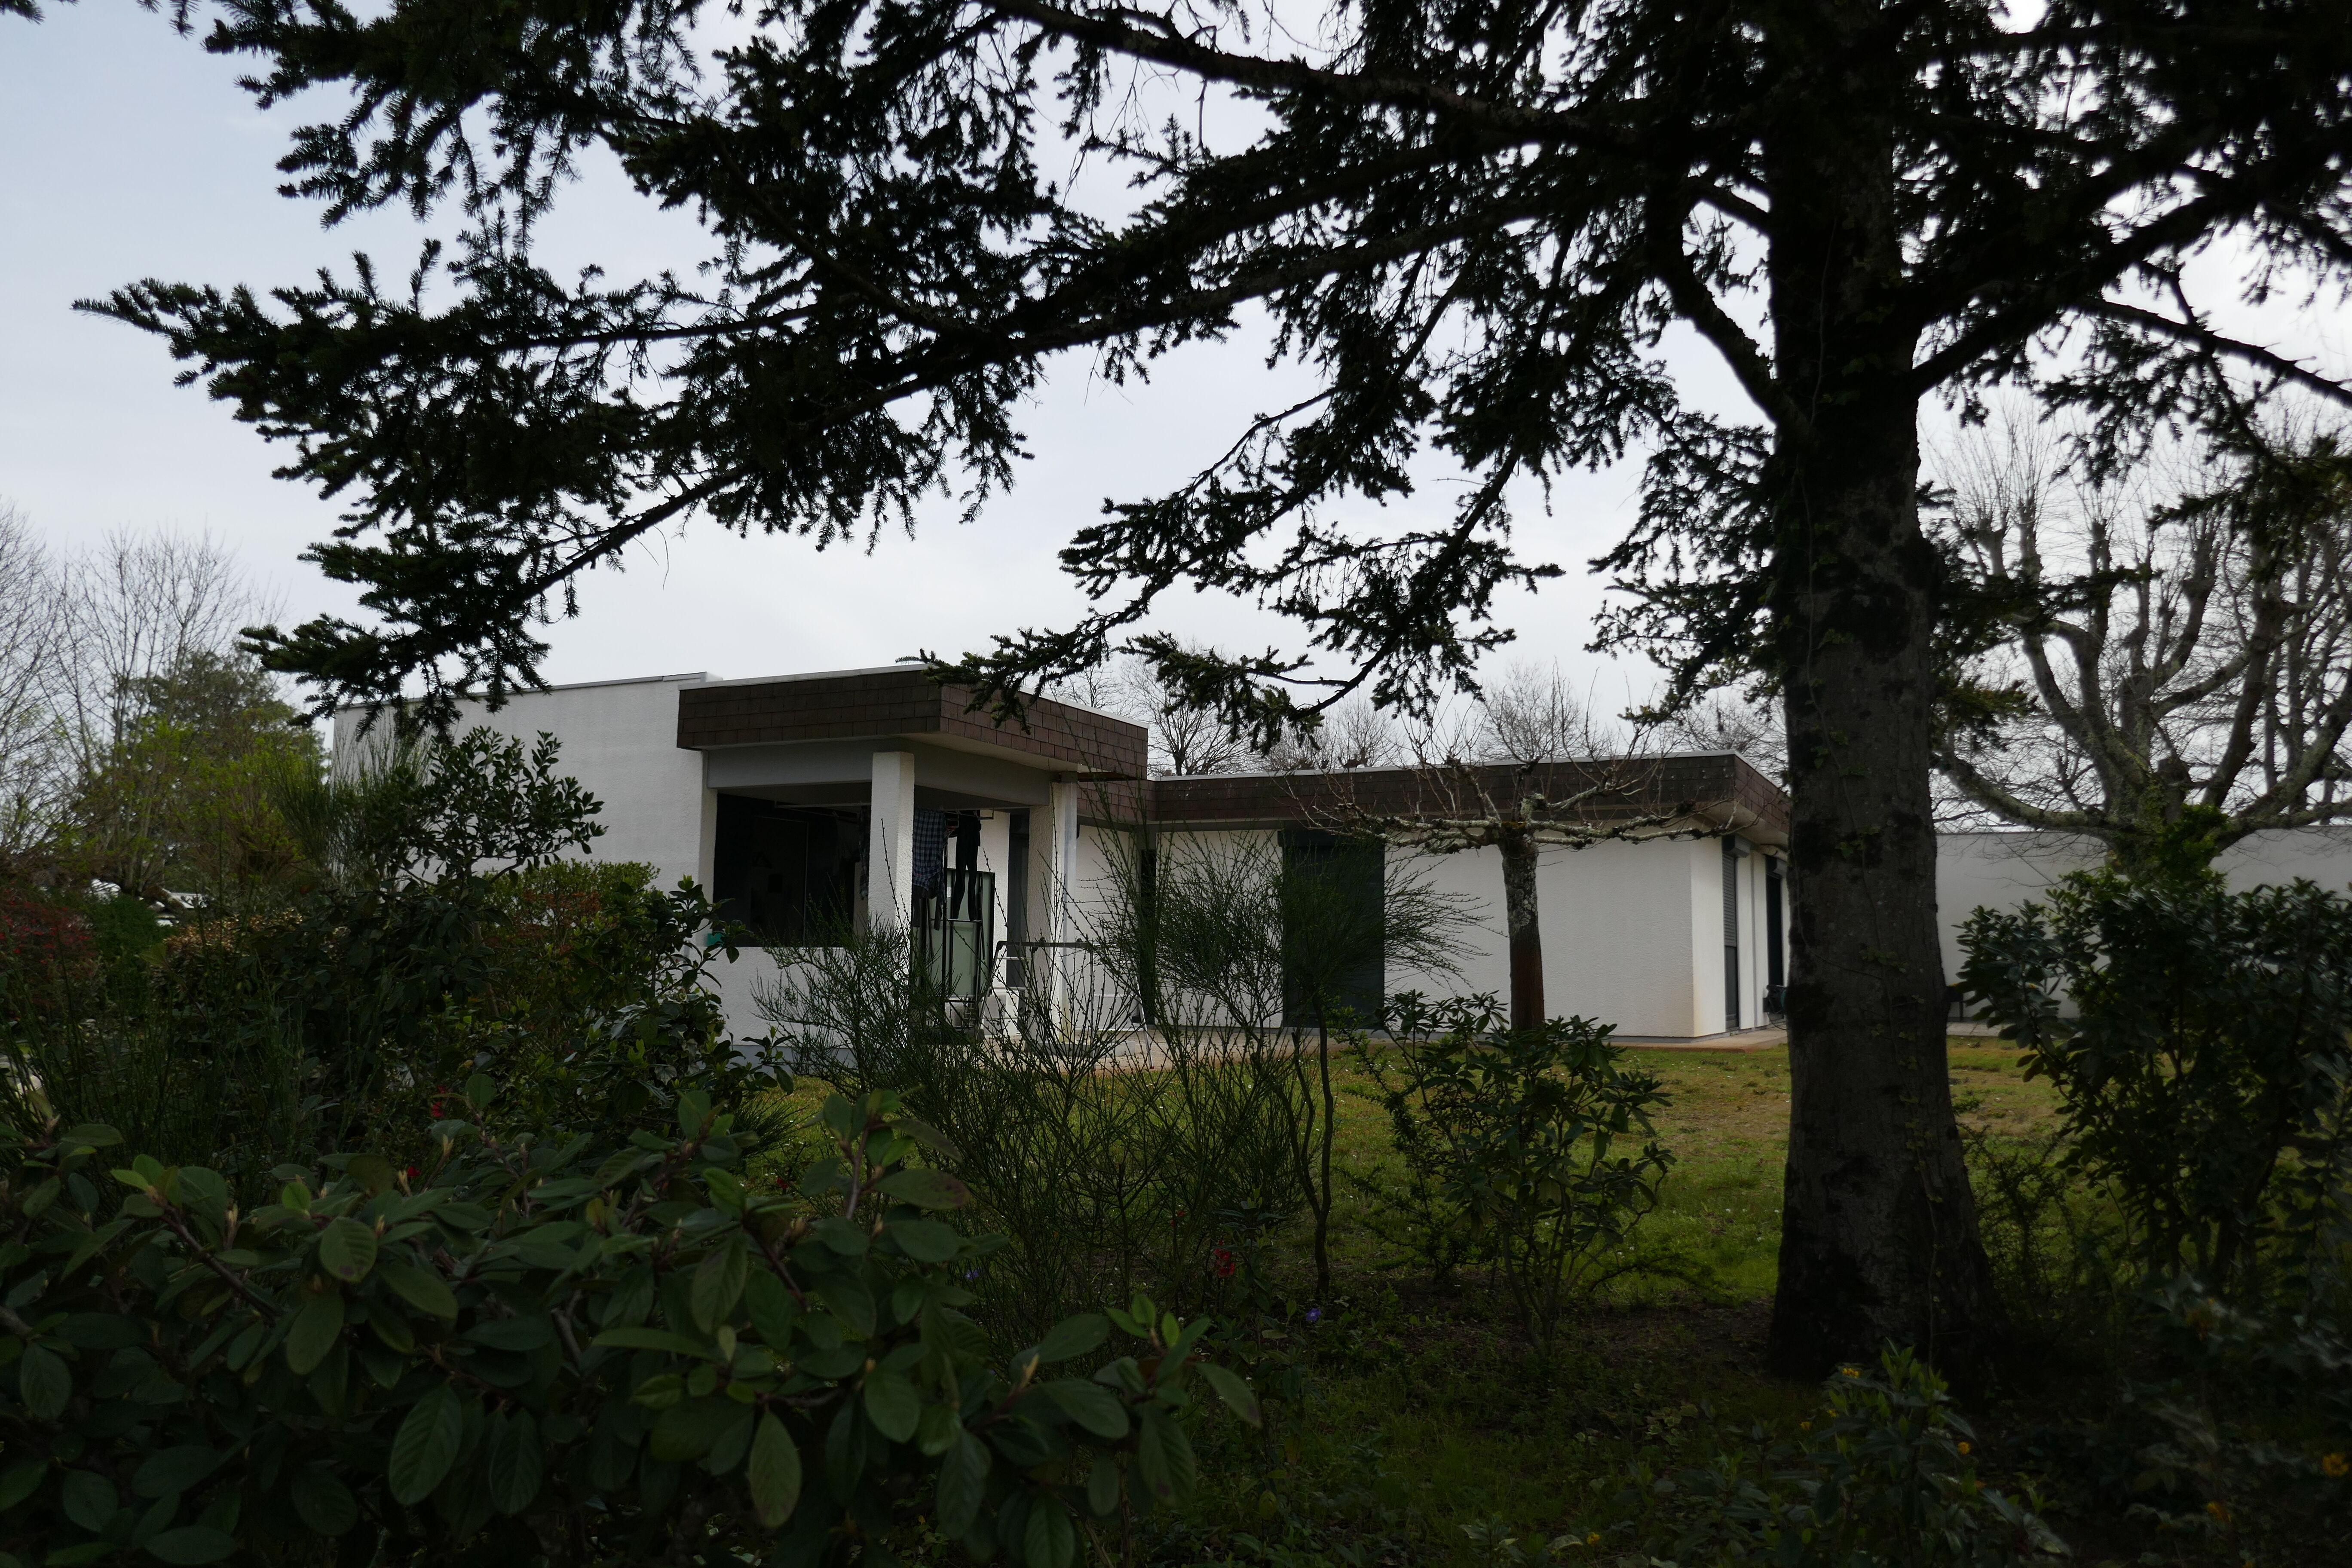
point(340, 1011)
point(1512, 1139)
point(539, 1352)
point(47, 953)
point(2204, 1075)
point(2248, 1446)
point(1886, 1476)
point(1104, 1181)
point(2055, 1241)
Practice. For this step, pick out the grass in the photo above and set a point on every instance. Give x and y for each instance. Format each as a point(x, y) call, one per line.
point(1421, 1413)
point(1425, 1415)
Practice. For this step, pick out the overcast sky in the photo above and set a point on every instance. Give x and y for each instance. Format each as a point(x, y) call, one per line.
point(127, 151)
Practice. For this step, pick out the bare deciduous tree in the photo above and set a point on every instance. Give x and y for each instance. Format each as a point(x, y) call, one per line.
point(1185, 739)
point(2179, 652)
point(1525, 768)
point(31, 755)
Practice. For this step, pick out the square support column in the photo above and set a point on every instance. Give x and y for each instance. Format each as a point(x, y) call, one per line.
point(890, 844)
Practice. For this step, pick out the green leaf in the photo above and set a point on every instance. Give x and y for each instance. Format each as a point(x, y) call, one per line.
point(102, 1332)
point(838, 1234)
point(963, 1484)
point(1102, 1485)
point(174, 1470)
point(850, 1300)
point(372, 1172)
point(480, 1092)
point(637, 1339)
point(774, 1474)
point(929, 1137)
point(1090, 1404)
point(89, 1499)
point(515, 1463)
point(892, 1404)
point(1073, 1337)
point(937, 1432)
point(19, 1480)
point(513, 1333)
point(1237, 1394)
point(772, 1308)
point(925, 1189)
point(324, 1504)
point(191, 1543)
point(316, 1328)
point(691, 1429)
point(925, 1240)
point(1049, 1542)
point(347, 1249)
point(425, 1446)
point(419, 1287)
point(718, 1283)
point(1164, 1456)
point(91, 1135)
point(43, 1383)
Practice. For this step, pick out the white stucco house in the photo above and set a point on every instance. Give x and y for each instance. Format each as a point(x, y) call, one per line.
point(805, 801)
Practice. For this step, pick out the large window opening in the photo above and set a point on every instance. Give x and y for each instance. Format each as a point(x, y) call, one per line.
point(789, 873)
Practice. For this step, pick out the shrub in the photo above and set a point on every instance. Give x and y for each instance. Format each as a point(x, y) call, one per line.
point(1104, 1181)
point(542, 1351)
point(47, 953)
point(1886, 1476)
point(2246, 1446)
point(2204, 1076)
point(1522, 1142)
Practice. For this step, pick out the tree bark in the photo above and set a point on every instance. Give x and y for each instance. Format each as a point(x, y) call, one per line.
point(1524, 932)
point(1879, 1238)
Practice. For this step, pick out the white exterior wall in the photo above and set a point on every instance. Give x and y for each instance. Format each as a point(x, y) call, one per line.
point(620, 740)
point(2321, 855)
point(2002, 870)
point(1633, 934)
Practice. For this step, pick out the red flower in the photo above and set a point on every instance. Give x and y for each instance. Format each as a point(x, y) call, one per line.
point(1221, 1260)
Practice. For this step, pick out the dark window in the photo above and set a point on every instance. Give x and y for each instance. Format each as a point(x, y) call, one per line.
point(1332, 926)
point(1775, 964)
point(787, 872)
point(1016, 901)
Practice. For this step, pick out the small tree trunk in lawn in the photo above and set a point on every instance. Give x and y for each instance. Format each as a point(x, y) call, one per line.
point(1879, 1237)
point(1323, 1193)
point(1524, 934)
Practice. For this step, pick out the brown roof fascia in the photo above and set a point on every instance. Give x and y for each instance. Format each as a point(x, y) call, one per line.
point(877, 704)
point(1724, 790)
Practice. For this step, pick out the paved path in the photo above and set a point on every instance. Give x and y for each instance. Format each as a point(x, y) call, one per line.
point(1773, 1039)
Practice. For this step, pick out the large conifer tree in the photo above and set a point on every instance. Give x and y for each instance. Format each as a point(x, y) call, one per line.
point(1473, 220)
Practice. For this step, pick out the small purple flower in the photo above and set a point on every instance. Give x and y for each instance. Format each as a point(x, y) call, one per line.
point(1314, 1314)
point(972, 1273)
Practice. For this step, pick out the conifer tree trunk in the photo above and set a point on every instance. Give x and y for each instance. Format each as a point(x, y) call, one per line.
point(1879, 1238)
point(1524, 932)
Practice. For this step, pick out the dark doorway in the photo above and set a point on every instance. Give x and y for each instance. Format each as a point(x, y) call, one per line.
point(1332, 925)
point(1776, 968)
point(789, 873)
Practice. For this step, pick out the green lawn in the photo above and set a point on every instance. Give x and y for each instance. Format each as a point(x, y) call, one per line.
point(1423, 1411)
